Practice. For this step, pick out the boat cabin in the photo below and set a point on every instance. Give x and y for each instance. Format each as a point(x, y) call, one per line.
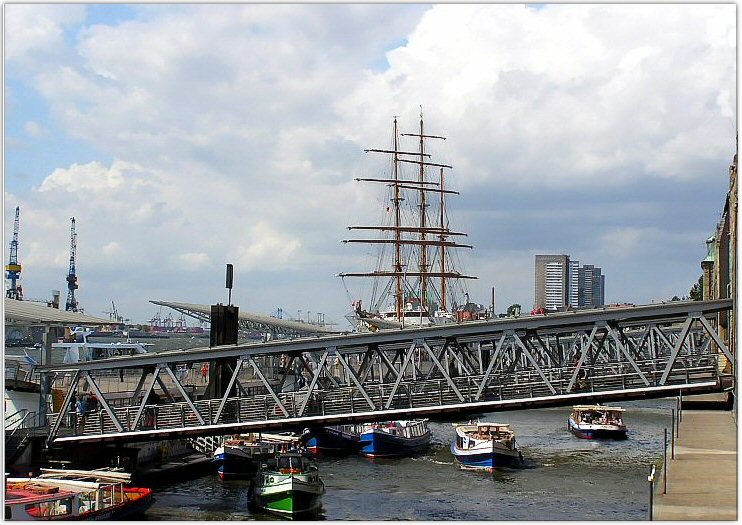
point(468, 435)
point(597, 415)
point(290, 464)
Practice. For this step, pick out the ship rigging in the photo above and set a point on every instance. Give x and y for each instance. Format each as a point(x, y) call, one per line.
point(416, 280)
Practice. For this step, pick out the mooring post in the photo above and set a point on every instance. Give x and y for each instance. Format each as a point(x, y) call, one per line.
point(650, 479)
point(664, 464)
point(672, 434)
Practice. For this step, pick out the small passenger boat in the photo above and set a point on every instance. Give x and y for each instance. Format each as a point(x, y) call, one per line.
point(394, 438)
point(485, 446)
point(334, 440)
point(76, 495)
point(288, 484)
point(240, 456)
point(597, 421)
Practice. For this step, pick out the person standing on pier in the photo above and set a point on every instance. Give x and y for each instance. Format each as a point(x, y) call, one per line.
point(72, 410)
point(204, 372)
point(82, 408)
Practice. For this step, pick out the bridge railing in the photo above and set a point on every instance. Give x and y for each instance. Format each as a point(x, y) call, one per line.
point(502, 387)
point(552, 360)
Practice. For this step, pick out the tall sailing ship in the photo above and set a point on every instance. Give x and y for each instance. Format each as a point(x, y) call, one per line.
point(416, 281)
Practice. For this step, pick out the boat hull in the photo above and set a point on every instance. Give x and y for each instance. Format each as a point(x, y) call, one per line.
point(597, 431)
point(379, 444)
point(289, 497)
point(235, 467)
point(332, 441)
point(487, 460)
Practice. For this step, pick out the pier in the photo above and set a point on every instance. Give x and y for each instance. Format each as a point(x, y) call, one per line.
point(702, 477)
point(555, 360)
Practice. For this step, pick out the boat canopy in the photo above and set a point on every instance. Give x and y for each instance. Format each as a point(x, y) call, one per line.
point(597, 408)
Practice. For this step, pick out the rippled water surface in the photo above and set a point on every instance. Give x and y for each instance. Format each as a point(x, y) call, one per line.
point(565, 478)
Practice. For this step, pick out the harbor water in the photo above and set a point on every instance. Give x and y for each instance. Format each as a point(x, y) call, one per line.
point(565, 478)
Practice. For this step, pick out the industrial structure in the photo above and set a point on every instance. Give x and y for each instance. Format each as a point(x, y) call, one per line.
point(13, 267)
point(71, 305)
point(249, 321)
point(560, 283)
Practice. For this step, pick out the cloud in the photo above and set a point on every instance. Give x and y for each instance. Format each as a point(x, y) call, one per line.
point(34, 129)
point(236, 132)
point(113, 249)
point(92, 177)
point(33, 32)
point(268, 249)
point(191, 262)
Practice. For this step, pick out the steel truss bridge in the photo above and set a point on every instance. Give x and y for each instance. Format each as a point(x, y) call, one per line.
point(453, 370)
point(253, 321)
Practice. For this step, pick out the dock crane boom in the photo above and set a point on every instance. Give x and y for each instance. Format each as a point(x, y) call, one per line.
point(71, 305)
point(13, 268)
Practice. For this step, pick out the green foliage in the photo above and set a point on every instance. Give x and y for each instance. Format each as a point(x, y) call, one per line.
point(696, 291)
point(513, 309)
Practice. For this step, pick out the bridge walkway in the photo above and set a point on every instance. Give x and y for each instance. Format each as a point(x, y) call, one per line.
point(655, 350)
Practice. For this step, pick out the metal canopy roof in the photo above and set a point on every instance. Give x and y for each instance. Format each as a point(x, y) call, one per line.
point(28, 313)
point(267, 320)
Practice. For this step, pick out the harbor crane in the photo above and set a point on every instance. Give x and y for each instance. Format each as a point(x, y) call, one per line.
point(13, 268)
point(71, 305)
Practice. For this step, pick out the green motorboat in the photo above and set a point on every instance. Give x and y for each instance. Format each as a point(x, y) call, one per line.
point(289, 485)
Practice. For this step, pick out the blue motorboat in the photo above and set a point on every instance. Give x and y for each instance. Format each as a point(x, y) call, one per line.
point(597, 421)
point(334, 440)
point(394, 438)
point(485, 446)
point(240, 456)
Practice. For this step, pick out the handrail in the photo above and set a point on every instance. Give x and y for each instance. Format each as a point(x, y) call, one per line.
point(22, 424)
point(9, 416)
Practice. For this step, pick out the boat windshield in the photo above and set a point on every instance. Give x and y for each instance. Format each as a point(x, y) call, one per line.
point(600, 417)
point(292, 464)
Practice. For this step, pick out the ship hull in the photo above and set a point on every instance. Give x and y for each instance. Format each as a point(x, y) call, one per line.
point(376, 443)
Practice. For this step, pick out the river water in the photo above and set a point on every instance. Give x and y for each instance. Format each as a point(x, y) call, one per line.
point(565, 478)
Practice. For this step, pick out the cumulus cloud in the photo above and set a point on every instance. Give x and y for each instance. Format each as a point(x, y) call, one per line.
point(191, 262)
point(267, 249)
point(92, 177)
point(235, 132)
point(33, 31)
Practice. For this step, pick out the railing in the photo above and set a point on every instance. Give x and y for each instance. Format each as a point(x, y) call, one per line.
point(206, 445)
point(19, 371)
point(21, 420)
point(411, 394)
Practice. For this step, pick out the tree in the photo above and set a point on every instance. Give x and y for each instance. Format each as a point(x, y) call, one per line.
point(696, 291)
point(513, 310)
point(675, 298)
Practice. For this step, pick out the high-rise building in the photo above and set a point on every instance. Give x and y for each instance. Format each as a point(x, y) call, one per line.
point(574, 284)
point(561, 283)
point(552, 281)
point(591, 287)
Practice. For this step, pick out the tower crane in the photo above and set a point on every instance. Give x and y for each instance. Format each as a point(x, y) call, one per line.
point(71, 276)
point(13, 268)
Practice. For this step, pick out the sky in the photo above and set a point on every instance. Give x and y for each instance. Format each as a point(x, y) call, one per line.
point(184, 137)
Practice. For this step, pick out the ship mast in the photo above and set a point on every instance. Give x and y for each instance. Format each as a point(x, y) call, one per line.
point(397, 224)
point(423, 210)
point(443, 248)
point(420, 232)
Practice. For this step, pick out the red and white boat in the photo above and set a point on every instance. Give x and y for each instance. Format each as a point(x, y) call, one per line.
point(74, 495)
